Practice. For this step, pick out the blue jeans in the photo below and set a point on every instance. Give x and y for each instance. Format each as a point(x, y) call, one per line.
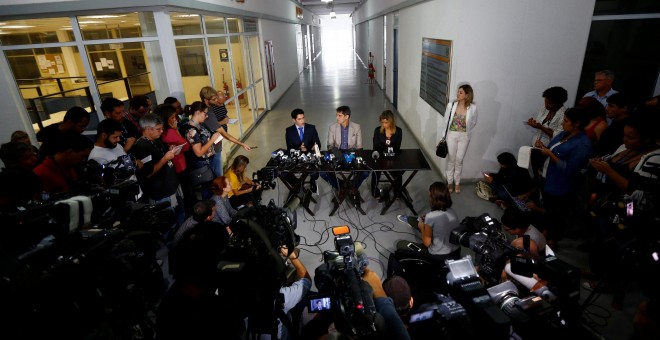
point(216, 164)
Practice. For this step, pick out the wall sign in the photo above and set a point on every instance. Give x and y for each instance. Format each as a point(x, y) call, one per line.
point(224, 55)
point(434, 80)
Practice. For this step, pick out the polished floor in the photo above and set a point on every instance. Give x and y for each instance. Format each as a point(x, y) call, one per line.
point(341, 79)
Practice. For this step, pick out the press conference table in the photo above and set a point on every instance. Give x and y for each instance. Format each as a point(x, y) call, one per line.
point(405, 161)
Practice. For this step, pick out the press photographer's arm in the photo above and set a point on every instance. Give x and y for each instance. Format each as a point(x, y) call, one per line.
point(385, 307)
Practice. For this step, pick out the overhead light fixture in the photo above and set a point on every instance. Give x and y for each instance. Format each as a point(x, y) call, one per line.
point(107, 16)
point(333, 15)
point(326, 0)
point(16, 26)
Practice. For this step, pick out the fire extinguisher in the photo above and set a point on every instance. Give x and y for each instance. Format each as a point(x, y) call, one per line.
point(239, 88)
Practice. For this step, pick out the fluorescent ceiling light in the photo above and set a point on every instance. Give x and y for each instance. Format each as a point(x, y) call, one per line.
point(326, 0)
point(333, 14)
point(90, 22)
point(17, 26)
point(106, 16)
point(187, 16)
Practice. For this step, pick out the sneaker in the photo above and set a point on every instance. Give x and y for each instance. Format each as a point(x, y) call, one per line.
point(409, 220)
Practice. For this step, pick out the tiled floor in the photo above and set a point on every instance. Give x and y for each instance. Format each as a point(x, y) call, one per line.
point(340, 79)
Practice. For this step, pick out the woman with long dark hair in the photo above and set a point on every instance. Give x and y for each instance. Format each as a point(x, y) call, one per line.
point(242, 188)
point(435, 226)
point(171, 136)
point(201, 141)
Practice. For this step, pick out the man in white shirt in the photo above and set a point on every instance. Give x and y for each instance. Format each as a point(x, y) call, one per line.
point(107, 148)
point(602, 86)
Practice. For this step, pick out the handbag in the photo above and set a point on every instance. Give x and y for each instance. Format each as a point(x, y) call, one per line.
point(201, 175)
point(441, 150)
point(484, 191)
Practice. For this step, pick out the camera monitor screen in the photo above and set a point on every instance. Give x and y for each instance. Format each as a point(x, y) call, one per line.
point(462, 268)
point(319, 304)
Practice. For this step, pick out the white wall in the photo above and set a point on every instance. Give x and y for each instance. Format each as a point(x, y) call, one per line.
point(508, 50)
point(376, 47)
point(283, 36)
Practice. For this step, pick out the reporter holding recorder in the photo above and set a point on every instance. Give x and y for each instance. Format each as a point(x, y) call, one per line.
point(461, 116)
point(436, 226)
point(201, 140)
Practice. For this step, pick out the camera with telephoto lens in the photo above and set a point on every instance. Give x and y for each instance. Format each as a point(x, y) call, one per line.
point(483, 234)
point(340, 276)
point(532, 317)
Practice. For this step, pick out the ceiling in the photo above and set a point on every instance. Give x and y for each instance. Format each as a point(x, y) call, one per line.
point(319, 7)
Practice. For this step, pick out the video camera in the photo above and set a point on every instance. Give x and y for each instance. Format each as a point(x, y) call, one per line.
point(484, 236)
point(444, 317)
point(75, 261)
point(531, 315)
point(340, 277)
point(114, 172)
point(250, 269)
point(267, 177)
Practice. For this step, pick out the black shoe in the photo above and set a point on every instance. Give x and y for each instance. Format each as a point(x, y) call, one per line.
point(313, 188)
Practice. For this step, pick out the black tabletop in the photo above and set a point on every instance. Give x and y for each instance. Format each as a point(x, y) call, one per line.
point(405, 159)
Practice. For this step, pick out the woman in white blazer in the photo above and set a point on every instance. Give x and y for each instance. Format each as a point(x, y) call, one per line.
point(461, 116)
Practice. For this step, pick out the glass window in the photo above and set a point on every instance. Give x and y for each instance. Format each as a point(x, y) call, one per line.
point(250, 25)
point(186, 23)
point(255, 57)
point(623, 46)
point(50, 81)
point(219, 54)
point(192, 62)
point(214, 25)
point(35, 31)
point(121, 70)
point(117, 26)
point(234, 25)
point(608, 7)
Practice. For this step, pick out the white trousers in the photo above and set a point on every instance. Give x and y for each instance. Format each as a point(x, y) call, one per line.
point(457, 143)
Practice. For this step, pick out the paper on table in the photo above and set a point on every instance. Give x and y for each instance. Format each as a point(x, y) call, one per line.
point(524, 155)
point(233, 120)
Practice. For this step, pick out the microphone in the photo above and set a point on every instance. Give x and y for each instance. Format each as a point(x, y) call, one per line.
point(375, 155)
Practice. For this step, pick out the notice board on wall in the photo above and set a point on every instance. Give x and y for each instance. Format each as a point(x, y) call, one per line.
point(434, 80)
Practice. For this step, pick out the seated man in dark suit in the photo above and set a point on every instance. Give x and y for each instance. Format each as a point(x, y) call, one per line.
point(303, 137)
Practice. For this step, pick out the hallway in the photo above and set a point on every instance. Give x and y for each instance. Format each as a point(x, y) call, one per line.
point(339, 78)
point(333, 80)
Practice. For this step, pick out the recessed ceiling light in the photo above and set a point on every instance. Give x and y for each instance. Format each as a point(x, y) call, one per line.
point(187, 16)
